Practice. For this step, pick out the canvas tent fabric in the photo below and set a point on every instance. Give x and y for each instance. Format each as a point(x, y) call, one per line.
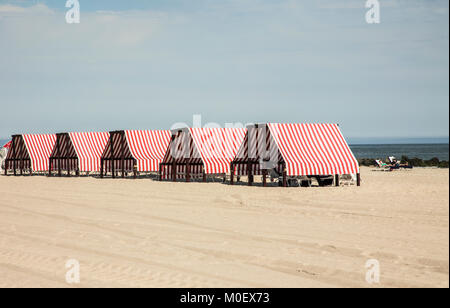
point(78, 151)
point(30, 152)
point(314, 149)
point(39, 147)
point(204, 150)
point(299, 149)
point(134, 150)
point(89, 147)
point(148, 147)
point(217, 147)
point(7, 145)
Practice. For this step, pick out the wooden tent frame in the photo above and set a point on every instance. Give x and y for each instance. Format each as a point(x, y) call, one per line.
point(117, 156)
point(18, 156)
point(187, 162)
point(64, 156)
point(250, 162)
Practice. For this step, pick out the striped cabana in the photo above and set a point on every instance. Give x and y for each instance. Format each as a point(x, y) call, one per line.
point(134, 151)
point(198, 152)
point(294, 150)
point(29, 153)
point(78, 152)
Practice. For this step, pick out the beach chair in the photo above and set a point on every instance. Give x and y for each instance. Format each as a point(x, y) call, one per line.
point(399, 165)
point(382, 166)
point(347, 180)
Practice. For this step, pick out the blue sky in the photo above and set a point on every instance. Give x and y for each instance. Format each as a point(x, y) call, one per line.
point(150, 64)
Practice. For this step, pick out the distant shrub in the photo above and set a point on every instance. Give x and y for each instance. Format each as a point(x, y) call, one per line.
point(415, 162)
point(443, 164)
point(368, 162)
point(433, 162)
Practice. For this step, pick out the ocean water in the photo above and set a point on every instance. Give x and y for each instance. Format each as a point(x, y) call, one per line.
point(422, 151)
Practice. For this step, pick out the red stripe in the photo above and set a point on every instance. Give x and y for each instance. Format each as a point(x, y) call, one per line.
point(39, 148)
point(314, 149)
point(89, 147)
point(148, 148)
point(8, 145)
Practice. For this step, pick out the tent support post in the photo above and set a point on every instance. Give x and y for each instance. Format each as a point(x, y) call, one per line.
point(249, 164)
point(113, 171)
point(59, 156)
point(174, 172)
point(336, 180)
point(68, 159)
point(14, 154)
point(50, 163)
point(264, 172)
point(204, 176)
point(249, 173)
point(358, 179)
point(284, 176)
point(188, 172)
point(257, 147)
point(160, 172)
point(231, 174)
point(134, 169)
point(122, 160)
point(101, 168)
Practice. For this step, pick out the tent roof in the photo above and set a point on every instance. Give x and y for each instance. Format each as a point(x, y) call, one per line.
point(89, 147)
point(148, 147)
point(39, 148)
point(314, 149)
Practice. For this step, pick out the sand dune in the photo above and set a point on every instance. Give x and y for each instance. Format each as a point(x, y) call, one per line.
point(142, 233)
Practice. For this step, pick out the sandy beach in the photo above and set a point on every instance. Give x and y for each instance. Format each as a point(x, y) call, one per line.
point(143, 233)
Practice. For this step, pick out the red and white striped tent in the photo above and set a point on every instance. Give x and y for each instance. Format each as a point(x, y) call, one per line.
point(135, 151)
point(30, 152)
point(296, 149)
point(7, 145)
point(197, 152)
point(80, 152)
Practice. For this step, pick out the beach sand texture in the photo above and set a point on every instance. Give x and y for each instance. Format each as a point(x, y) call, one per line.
point(143, 233)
